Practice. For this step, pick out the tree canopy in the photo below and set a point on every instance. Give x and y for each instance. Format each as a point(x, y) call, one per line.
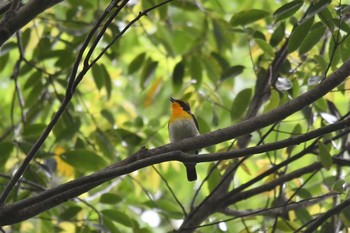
point(84, 93)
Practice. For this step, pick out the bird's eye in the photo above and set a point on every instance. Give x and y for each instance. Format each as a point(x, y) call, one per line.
point(185, 105)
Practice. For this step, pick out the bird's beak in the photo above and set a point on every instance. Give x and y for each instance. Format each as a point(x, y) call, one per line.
point(172, 99)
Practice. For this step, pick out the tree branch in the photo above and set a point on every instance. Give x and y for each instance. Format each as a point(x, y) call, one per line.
point(15, 20)
point(30, 207)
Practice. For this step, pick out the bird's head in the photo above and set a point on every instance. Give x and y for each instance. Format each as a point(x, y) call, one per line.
point(179, 105)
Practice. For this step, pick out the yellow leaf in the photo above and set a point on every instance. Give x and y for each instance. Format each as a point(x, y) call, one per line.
point(63, 168)
point(152, 92)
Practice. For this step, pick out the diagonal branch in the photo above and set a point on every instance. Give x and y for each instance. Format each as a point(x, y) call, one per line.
point(74, 80)
point(57, 195)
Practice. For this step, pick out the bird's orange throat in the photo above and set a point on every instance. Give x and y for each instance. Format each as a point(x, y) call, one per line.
point(178, 113)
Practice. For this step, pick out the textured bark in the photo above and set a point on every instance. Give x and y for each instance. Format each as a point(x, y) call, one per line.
point(15, 19)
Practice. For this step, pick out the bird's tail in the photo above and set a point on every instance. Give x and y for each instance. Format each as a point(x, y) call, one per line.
point(191, 171)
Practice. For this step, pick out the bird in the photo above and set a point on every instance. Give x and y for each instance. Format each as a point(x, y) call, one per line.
point(183, 124)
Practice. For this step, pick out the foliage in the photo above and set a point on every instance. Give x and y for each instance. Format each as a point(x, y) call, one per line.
point(232, 60)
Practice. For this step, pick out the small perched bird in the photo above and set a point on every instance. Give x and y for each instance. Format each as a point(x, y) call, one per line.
point(183, 124)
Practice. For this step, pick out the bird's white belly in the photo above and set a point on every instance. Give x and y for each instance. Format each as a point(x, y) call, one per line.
point(180, 129)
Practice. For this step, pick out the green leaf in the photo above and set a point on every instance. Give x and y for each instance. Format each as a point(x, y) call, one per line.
point(327, 19)
point(148, 72)
point(203, 126)
point(325, 156)
point(303, 215)
point(6, 149)
point(316, 8)
point(312, 38)
point(108, 224)
point(32, 132)
point(345, 216)
point(127, 136)
point(232, 72)
point(66, 128)
point(70, 213)
point(240, 103)
point(84, 160)
point(221, 60)
point(110, 198)
point(136, 63)
point(248, 16)
point(273, 102)
point(278, 34)
point(214, 178)
point(170, 208)
point(287, 10)
point(298, 35)
point(117, 216)
point(267, 48)
point(178, 75)
point(107, 81)
point(108, 116)
point(339, 186)
point(97, 75)
point(104, 144)
point(34, 95)
point(26, 37)
point(32, 80)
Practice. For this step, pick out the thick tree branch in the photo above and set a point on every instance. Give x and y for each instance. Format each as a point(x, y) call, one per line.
point(15, 20)
point(57, 195)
